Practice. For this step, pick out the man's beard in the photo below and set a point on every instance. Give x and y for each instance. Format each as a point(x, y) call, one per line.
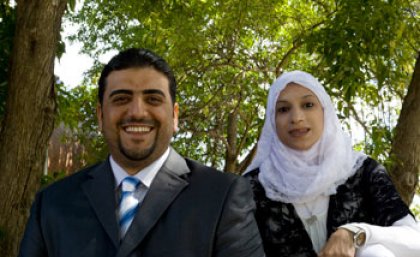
point(136, 155)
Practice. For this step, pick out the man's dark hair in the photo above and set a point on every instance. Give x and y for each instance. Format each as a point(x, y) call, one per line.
point(136, 58)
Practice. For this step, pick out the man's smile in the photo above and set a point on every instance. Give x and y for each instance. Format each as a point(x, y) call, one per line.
point(137, 129)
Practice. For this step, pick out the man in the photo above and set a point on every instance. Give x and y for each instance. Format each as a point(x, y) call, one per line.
point(145, 199)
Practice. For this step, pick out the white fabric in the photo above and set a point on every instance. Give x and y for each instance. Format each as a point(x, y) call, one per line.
point(293, 176)
point(402, 238)
point(376, 250)
point(145, 175)
point(380, 241)
point(314, 218)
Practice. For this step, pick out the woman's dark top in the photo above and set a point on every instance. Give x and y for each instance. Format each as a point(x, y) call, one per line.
point(368, 196)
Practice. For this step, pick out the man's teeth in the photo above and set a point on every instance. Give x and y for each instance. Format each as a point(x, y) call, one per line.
point(138, 129)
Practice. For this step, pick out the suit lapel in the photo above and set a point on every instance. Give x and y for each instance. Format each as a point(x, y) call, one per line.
point(100, 191)
point(164, 189)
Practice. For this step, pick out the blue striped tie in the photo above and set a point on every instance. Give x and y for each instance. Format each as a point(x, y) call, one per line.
point(128, 203)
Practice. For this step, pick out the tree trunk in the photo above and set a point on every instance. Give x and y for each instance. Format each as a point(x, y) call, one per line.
point(406, 144)
point(29, 117)
point(231, 151)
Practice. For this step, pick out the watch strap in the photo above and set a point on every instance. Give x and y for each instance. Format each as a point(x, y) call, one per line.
point(359, 235)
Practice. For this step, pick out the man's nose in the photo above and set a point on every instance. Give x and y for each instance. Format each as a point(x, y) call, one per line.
point(137, 108)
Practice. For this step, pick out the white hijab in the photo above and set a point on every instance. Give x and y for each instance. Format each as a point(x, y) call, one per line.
point(294, 176)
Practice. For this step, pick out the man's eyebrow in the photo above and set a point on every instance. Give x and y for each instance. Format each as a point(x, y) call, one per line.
point(130, 92)
point(153, 91)
point(121, 91)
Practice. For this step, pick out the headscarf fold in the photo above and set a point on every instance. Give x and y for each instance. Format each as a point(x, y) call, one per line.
point(294, 176)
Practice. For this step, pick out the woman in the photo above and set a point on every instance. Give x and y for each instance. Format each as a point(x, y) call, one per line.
point(315, 196)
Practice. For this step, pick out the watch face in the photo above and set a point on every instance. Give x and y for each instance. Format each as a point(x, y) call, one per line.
point(360, 238)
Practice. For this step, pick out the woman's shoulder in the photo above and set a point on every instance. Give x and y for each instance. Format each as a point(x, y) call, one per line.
point(257, 188)
point(370, 175)
point(370, 164)
point(385, 199)
point(368, 170)
point(371, 171)
point(252, 174)
point(252, 177)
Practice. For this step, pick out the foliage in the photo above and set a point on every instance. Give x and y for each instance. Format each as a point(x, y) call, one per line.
point(367, 53)
point(226, 61)
point(416, 211)
point(226, 53)
point(48, 179)
point(77, 111)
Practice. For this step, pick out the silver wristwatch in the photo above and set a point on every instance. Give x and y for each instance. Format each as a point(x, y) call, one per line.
point(359, 235)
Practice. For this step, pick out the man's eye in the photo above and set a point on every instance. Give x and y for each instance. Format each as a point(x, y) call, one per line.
point(154, 99)
point(120, 99)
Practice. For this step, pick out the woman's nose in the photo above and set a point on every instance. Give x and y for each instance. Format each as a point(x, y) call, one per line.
point(297, 115)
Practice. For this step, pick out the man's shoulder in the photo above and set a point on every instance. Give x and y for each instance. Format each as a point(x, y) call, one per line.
point(215, 185)
point(204, 176)
point(199, 169)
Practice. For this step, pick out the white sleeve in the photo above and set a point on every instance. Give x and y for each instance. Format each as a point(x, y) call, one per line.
point(402, 238)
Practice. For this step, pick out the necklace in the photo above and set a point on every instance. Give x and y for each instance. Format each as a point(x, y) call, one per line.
point(311, 217)
point(311, 220)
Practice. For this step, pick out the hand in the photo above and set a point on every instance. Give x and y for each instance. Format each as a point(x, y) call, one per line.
point(340, 244)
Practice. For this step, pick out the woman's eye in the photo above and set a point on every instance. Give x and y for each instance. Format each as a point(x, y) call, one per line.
point(309, 105)
point(283, 109)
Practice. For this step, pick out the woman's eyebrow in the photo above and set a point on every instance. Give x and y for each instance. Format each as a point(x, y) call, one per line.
point(306, 96)
point(303, 97)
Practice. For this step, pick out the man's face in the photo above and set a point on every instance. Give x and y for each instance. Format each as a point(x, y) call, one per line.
point(137, 116)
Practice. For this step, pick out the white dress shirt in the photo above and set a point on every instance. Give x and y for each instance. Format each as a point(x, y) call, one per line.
point(146, 176)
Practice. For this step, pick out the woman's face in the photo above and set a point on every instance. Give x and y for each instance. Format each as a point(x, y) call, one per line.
point(299, 117)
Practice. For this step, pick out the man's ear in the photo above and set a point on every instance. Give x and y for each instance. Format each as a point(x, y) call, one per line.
point(99, 115)
point(176, 113)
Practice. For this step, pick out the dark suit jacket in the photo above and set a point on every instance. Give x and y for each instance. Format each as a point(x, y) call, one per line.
point(190, 210)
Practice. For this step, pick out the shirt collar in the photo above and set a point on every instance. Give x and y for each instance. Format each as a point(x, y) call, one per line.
point(145, 175)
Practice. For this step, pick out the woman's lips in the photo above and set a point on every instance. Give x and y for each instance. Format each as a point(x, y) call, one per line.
point(299, 132)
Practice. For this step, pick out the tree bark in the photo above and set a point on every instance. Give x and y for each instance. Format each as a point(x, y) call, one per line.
point(29, 117)
point(406, 144)
point(231, 151)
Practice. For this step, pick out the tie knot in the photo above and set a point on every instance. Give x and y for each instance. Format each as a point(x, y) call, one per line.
point(129, 184)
